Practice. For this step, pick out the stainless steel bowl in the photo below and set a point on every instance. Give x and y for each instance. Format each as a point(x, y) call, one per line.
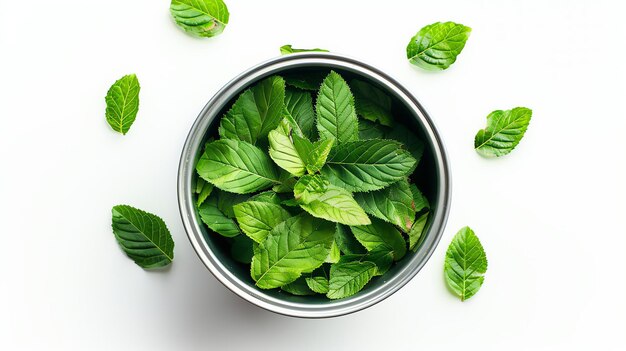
point(434, 177)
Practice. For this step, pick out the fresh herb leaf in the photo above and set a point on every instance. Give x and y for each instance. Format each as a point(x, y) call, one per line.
point(242, 249)
point(410, 141)
point(334, 254)
point(144, 237)
point(420, 201)
point(436, 46)
point(393, 204)
point(417, 230)
point(215, 219)
point(299, 287)
point(379, 233)
point(201, 18)
point(336, 118)
point(283, 151)
point(122, 103)
point(288, 49)
point(346, 242)
point(236, 166)
point(381, 256)
point(371, 103)
point(367, 165)
point(299, 105)
point(466, 264)
point(371, 130)
point(256, 112)
point(226, 201)
point(329, 202)
point(257, 219)
point(267, 196)
point(346, 279)
point(315, 154)
point(318, 284)
point(310, 80)
point(298, 245)
point(204, 189)
point(505, 129)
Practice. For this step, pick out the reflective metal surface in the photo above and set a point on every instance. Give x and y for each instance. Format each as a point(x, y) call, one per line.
point(236, 278)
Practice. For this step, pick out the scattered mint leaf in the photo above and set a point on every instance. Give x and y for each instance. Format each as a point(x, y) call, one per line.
point(144, 237)
point(327, 201)
point(346, 279)
point(379, 233)
point(201, 18)
point(436, 46)
point(298, 245)
point(257, 219)
point(256, 112)
point(122, 103)
point(393, 204)
point(236, 166)
point(505, 129)
point(318, 284)
point(367, 165)
point(466, 264)
point(288, 49)
point(371, 103)
point(336, 118)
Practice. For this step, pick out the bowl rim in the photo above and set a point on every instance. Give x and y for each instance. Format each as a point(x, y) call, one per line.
point(255, 296)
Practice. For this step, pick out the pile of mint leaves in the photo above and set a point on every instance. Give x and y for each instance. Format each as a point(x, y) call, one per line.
point(314, 189)
point(311, 180)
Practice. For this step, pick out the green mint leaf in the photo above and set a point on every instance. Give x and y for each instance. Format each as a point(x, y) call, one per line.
point(334, 254)
point(283, 151)
point(346, 242)
point(381, 256)
point(298, 245)
point(242, 249)
point(318, 284)
point(346, 279)
point(122, 103)
point(315, 154)
point(420, 201)
point(329, 202)
point(226, 201)
point(215, 218)
point(256, 112)
point(204, 189)
point(305, 80)
point(366, 165)
point(288, 49)
point(393, 204)
point(201, 18)
point(410, 141)
point(436, 46)
point(267, 196)
point(466, 264)
point(257, 219)
point(379, 233)
point(336, 118)
point(371, 103)
point(298, 287)
point(144, 237)
point(299, 105)
point(417, 230)
point(505, 129)
point(236, 166)
point(371, 130)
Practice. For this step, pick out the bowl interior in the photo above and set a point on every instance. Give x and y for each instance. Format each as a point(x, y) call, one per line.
point(425, 177)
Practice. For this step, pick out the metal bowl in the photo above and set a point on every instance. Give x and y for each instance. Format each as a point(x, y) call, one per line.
point(433, 179)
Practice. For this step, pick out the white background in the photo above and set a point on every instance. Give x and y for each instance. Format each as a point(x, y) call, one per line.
point(550, 215)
